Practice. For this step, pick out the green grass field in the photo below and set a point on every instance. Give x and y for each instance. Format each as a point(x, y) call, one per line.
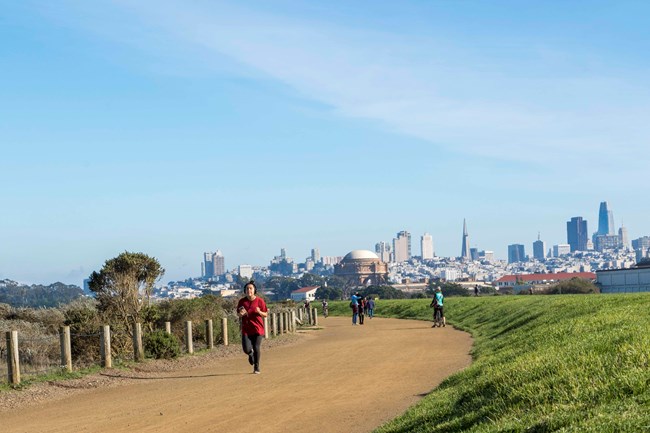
point(568, 363)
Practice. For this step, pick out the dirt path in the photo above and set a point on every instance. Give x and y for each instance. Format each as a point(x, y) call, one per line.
point(341, 378)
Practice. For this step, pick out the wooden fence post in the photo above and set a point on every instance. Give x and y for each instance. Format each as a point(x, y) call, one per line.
point(283, 322)
point(293, 320)
point(105, 347)
point(138, 350)
point(66, 348)
point(13, 360)
point(274, 324)
point(315, 317)
point(266, 327)
point(209, 337)
point(189, 344)
point(224, 330)
point(168, 327)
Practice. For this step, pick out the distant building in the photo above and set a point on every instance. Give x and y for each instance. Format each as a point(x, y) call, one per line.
point(539, 249)
point(605, 220)
point(362, 267)
point(576, 230)
point(304, 293)
point(561, 250)
point(426, 246)
point(213, 265)
point(315, 255)
point(450, 274)
point(532, 279)
point(623, 238)
point(606, 242)
point(488, 256)
point(383, 250)
point(516, 253)
point(245, 271)
point(473, 253)
point(402, 246)
point(464, 251)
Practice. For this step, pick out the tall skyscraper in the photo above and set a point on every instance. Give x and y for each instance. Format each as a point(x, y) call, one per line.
point(576, 233)
point(605, 220)
point(383, 251)
point(516, 253)
point(315, 255)
point(539, 249)
point(213, 265)
point(402, 246)
point(623, 238)
point(426, 246)
point(219, 263)
point(464, 252)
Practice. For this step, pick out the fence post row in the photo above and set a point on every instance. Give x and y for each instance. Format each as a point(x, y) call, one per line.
point(13, 361)
point(209, 337)
point(138, 351)
point(105, 346)
point(66, 348)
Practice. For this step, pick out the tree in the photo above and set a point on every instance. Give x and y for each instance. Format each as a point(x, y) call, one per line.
point(573, 286)
point(329, 293)
point(124, 285)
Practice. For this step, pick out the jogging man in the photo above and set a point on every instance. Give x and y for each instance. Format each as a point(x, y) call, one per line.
point(437, 304)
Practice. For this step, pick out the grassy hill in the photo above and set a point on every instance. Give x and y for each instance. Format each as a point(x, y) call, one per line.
point(570, 363)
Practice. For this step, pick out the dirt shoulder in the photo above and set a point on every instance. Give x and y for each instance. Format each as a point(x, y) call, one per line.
point(339, 378)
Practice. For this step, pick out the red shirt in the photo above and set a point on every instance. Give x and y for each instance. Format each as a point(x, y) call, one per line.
point(253, 322)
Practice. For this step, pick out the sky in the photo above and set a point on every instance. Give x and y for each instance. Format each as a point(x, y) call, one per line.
point(175, 128)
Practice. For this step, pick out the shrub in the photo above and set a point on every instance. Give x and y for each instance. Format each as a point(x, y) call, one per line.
point(161, 345)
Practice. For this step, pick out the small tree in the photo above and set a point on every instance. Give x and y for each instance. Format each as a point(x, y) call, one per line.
point(124, 285)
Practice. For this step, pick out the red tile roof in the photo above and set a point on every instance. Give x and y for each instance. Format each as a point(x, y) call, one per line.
point(539, 277)
point(310, 288)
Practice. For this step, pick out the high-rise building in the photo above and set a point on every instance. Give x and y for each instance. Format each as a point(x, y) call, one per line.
point(576, 233)
point(383, 251)
point(402, 246)
point(246, 271)
point(516, 253)
point(642, 243)
point(464, 252)
point(473, 253)
point(623, 238)
point(213, 265)
point(218, 263)
point(488, 256)
point(426, 246)
point(561, 250)
point(539, 249)
point(315, 255)
point(605, 220)
point(607, 242)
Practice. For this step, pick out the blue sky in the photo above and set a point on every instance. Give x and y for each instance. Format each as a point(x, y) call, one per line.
point(174, 128)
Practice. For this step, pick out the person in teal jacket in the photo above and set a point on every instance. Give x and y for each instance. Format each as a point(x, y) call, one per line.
point(438, 301)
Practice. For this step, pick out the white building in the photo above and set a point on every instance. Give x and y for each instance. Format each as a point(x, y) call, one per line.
point(450, 274)
point(635, 279)
point(245, 271)
point(304, 293)
point(426, 246)
point(561, 250)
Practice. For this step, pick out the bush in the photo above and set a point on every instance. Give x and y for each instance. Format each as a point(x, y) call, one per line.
point(161, 345)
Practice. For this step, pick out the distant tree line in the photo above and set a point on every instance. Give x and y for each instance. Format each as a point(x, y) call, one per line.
point(37, 295)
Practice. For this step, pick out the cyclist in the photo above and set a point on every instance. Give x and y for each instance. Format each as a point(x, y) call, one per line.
point(437, 304)
point(325, 308)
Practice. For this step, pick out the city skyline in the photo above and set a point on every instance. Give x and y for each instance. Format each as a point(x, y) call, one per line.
point(175, 128)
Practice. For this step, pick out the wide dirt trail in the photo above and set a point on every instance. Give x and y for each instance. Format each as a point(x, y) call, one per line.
point(339, 379)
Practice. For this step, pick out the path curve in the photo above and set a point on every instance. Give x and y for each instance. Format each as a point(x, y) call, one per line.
point(340, 378)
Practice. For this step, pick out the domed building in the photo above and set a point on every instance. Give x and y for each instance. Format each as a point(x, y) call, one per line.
point(362, 267)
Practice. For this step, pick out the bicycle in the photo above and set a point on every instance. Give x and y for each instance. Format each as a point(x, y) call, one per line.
point(437, 317)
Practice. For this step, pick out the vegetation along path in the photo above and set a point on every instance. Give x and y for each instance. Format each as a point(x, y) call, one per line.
point(339, 378)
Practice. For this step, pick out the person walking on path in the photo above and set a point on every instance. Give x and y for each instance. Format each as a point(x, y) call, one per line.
point(371, 307)
point(252, 311)
point(354, 304)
